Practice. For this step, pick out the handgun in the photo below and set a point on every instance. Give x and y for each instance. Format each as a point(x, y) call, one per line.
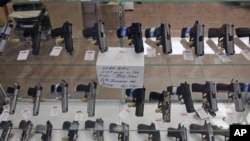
point(134, 34)
point(196, 37)
point(164, 104)
point(221, 132)
point(138, 95)
point(26, 126)
point(5, 35)
point(122, 130)
point(72, 128)
point(97, 127)
point(6, 126)
point(234, 94)
point(13, 92)
point(243, 32)
point(209, 101)
point(62, 90)
point(35, 33)
point(225, 36)
point(45, 130)
point(36, 93)
point(163, 37)
point(90, 94)
point(98, 34)
point(205, 130)
point(153, 134)
point(65, 32)
point(180, 133)
point(184, 95)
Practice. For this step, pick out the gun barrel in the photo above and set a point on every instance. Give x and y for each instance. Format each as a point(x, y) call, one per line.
point(242, 32)
point(180, 133)
point(5, 37)
point(64, 97)
point(166, 39)
point(68, 37)
point(14, 92)
point(36, 38)
point(37, 98)
point(7, 126)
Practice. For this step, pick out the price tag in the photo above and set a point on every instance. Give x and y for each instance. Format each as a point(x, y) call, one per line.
point(202, 114)
point(56, 51)
point(6, 107)
point(184, 117)
point(151, 52)
point(89, 55)
point(159, 124)
point(120, 54)
point(231, 118)
point(187, 55)
point(26, 113)
point(125, 113)
point(223, 57)
point(4, 116)
point(54, 110)
point(23, 55)
point(18, 139)
point(78, 115)
point(245, 53)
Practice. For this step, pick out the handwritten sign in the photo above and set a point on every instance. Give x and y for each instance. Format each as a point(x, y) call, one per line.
point(124, 72)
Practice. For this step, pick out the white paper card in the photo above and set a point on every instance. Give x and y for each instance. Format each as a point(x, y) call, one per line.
point(78, 115)
point(89, 55)
point(23, 55)
point(184, 117)
point(159, 124)
point(4, 116)
point(187, 55)
point(54, 111)
point(26, 113)
point(202, 114)
point(151, 52)
point(125, 113)
point(56, 51)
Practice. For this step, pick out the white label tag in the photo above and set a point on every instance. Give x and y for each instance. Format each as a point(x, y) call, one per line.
point(202, 114)
point(89, 55)
point(159, 124)
point(187, 55)
point(54, 110)
point(245, 53)
point(4, 116)
point(174, 89)
point(231, 118)
point(223, 57)
point(124, 113)
point(23, 55)
point(151, 52)
point(56, 51)
point(120, 55)
point(78, 115)
point(184, 117)
point(26, 113)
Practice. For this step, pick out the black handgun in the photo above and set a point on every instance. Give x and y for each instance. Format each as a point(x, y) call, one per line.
point(98, 35)
point(184, 95)
point(138, 95)
point(134, 34)
point(221, 132)
point(164, 104)
point(6, 126)
point(225, 36)
point(153, 134)
point(90, 94)
point(162, 35)
point(45, 130)
point(72, 128)
point(66, 33)
point(5, 35)
point(97, 127)
point(13, 92)
point(243, 32)
point(26, 126)
point(196, 37)
point(35, 33)
point(122, 130)
point(209, 101)
point(205, 130)
point(234, 94)
point(62, 90)
point(36, 93)
point(180, 133)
